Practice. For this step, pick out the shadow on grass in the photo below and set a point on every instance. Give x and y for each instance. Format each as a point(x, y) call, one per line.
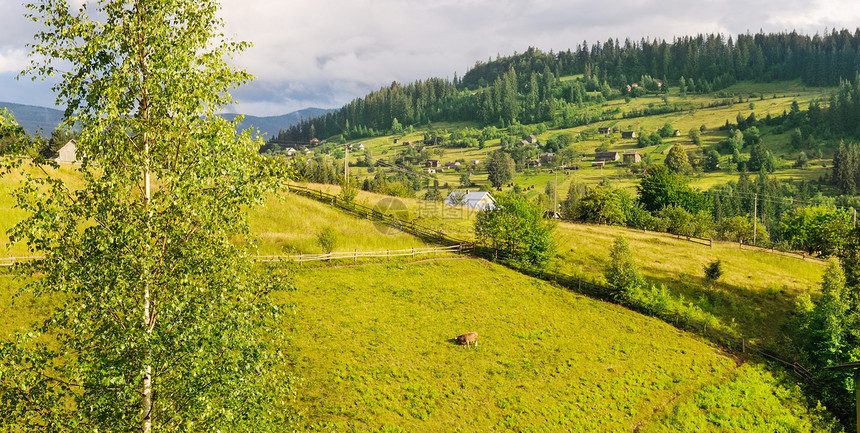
point(756, 314)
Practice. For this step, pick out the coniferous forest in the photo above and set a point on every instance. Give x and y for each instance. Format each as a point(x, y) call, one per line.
point(526, 87)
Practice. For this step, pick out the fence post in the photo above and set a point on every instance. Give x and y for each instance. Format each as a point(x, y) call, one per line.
point(355, 255)
point(434, 252)
point(388, 254)
point(579, 284)
point(711, 242)
point(413, 252)
point(743, 345)
point(300, 258)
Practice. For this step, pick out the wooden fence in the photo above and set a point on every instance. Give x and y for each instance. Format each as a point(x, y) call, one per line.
point(10, 261)
point(377, 216)
point(355, 255)
point(465, 248)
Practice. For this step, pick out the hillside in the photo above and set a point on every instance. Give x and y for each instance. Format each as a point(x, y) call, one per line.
point(373, 347)
point(270, 125)
point(35, 119)
point(44, 119)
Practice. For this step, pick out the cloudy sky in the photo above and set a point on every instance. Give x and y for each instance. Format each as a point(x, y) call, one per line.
point(324, 53)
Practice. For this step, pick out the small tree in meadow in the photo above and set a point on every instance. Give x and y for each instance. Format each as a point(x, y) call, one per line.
point(327, 238)
point(516, 228)
point(621, 272)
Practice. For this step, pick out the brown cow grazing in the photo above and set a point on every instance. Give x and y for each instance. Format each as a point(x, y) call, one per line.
point(468, 338)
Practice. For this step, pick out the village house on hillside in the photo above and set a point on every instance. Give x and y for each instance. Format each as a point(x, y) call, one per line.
point(632, 157)
point(68, 154)
point(314, 141)
point(290, 151)
point(480, 200)
point(606, 156)
point(604, 131)
point(628, 134)
point(432, 163)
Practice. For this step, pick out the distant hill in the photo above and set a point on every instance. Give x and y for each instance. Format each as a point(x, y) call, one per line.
point(34, 118)
point(270, 125)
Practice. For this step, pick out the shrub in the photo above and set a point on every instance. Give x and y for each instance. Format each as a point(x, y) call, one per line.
point(327, 238)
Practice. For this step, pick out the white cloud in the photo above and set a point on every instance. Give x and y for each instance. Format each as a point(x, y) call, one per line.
point(13, 59)
point(325, 53)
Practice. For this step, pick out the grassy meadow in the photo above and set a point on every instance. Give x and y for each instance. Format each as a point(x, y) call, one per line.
point(373, 347)
point(754, 297)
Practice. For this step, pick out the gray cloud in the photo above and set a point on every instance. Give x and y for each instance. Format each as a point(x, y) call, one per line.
point(324, 53)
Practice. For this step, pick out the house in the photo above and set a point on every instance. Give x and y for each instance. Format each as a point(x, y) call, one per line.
point(360, 146)
point(628, 134)
point(396, 140)
point(452, 164)
point(290, 151)
point(405, 143)
point(68, 154)
point(677, 133)
point(430, 170)
point(525, 143)
point(480, 200)
point(533, 163)
point(434, 163)
point(598, 164)
point(607, 156)
point(475, 161)
point(532, 139)
point(604, 131)
point(314, 141)
point(547, 157)
point(632, 157)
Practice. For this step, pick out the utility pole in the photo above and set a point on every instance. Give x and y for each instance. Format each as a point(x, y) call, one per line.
point(555, 195)
point(755, 218)
point(346, 166)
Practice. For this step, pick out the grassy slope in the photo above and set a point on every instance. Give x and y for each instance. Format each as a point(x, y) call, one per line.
point(289, 224)
point(373, 346)
point(755, 296)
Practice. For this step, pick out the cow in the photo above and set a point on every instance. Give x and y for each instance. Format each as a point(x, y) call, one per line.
point(468, 338)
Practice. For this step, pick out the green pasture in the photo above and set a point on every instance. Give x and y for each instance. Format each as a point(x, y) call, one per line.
point(754, 297)
point(374, 347)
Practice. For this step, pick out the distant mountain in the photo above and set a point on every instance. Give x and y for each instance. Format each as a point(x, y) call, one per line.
point(34, 118)
point(270, 125)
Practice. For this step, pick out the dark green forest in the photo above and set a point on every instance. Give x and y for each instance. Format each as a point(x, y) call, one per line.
point(526, 88)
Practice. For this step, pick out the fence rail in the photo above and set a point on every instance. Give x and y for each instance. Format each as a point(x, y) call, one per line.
point(355, 255)
point(377, 216)
point(465, 248)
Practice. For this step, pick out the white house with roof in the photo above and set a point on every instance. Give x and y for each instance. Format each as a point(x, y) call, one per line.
point(480, 200)
point(68, 154)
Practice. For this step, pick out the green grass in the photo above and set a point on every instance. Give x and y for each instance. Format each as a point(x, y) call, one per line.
point(289, 224)
point(755, 399)
point(373, 347)
point(754, 297)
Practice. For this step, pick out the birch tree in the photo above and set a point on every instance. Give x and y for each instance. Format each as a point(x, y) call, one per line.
point(163, 323)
